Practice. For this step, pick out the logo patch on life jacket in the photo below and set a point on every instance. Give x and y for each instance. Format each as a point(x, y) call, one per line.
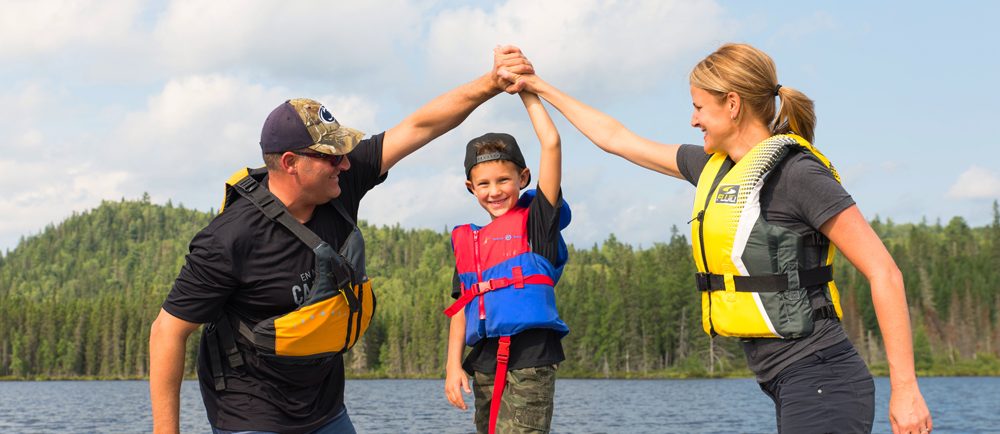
point(727, 194)
point(507, 237)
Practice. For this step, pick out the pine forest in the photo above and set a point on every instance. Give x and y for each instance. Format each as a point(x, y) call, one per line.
point(77, 300)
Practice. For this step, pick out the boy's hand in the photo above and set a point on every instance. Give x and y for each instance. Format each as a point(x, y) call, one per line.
point(455, 382)
point(508, 60)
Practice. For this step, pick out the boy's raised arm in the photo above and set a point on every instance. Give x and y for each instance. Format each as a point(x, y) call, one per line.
point(550, 166)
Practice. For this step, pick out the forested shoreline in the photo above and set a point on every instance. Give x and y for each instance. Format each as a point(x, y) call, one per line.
point(77, 300)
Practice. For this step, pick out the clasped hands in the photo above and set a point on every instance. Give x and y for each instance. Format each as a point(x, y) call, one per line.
point(509, 67)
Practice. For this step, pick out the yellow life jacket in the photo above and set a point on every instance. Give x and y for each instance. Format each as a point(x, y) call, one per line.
point(756, 278)
point(336, 311)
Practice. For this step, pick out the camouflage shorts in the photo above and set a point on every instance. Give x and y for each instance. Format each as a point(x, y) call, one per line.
point(526, 406)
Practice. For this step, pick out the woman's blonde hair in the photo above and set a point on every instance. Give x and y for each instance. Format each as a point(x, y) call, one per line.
point(751, 74)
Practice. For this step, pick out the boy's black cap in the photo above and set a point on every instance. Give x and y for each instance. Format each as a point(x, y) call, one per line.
point(509, 151)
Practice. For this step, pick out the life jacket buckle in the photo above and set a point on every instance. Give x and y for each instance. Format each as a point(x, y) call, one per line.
point(503, 351)
point(484, 286)
point(703, 281)
point(247, 184)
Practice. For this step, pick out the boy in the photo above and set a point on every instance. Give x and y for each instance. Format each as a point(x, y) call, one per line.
point(505, 274)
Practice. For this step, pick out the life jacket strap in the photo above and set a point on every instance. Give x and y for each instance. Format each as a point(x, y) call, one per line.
point(825, 312)
point(214, 358)
point(499, 380)
point(220, 335)
point(518, 280)
point(764, 283)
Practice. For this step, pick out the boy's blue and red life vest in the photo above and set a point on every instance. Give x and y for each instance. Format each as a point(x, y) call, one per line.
point(506, 288)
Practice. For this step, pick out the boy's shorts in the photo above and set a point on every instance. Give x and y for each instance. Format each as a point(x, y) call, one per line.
point(526, 406)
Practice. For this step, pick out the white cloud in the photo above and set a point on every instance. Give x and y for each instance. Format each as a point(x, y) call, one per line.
point(194, 121)
point(43, 192)
point(322, 40)
point(430, 201)
point(21, 110)
point(607, 46)
point(638, 206)
point(199, 129)
point(976, 183)
point(181, 145)
point(39, 27)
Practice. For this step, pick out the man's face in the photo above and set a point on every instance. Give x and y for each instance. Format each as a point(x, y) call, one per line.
point(497, 185)
point(319, 174)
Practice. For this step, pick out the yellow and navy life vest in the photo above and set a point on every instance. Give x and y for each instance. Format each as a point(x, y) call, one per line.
point(756, 279)
point(336, 311)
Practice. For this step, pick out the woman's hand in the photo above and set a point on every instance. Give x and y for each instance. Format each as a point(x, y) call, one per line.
point(508, 65)
point(908, 412)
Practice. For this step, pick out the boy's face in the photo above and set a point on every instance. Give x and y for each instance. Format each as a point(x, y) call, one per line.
point(497, 185)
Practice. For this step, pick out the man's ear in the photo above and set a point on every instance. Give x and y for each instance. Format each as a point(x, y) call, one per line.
point(525, 176)
point(287, 162)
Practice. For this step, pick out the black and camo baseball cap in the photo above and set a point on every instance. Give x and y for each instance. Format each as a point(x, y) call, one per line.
point(305, 123)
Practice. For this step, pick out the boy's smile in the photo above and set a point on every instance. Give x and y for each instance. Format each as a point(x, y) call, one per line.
point(497, 185)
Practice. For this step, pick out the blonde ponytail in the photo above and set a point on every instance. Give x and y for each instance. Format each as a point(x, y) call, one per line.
point(751, 74)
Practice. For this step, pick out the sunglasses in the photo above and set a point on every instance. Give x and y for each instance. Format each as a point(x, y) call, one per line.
point(332, 159)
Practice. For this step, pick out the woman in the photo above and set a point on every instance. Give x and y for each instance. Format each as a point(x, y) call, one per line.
point(770, 222)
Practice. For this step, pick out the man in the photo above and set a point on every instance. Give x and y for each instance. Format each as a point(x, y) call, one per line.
point(247, 266)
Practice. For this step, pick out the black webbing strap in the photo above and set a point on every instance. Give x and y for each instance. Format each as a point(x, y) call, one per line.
point(361, 298)
point(228, 340)
point(275, 210)
point(343, 211)
point(220, 335)
point(815, 239)
point(824, 312)
point(764, 283)
point(215, 360)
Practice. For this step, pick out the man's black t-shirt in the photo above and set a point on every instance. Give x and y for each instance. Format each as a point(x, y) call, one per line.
point(245, 265)
point(800, 194)
point(534, 347)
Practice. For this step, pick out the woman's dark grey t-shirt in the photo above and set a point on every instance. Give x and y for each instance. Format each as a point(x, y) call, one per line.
point(800, 194)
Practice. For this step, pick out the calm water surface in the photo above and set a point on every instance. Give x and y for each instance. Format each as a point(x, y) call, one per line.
point(959, 405)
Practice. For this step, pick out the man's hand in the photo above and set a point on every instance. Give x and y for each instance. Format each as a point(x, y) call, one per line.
point(512, 62)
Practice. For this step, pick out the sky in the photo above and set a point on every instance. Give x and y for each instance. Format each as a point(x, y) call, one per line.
point(111, 99)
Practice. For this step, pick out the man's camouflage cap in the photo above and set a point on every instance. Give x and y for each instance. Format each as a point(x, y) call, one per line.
point(305, 123)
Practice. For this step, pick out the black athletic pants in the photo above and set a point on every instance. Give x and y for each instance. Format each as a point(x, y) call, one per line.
point(830, 391)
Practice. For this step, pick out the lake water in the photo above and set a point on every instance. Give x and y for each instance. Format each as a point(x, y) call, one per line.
point(959, 405)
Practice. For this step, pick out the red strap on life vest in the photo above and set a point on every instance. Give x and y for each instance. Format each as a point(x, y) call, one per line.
point(518, 281)
point(499, 380)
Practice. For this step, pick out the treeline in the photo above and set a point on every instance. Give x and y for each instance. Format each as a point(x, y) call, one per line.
point(77, 300)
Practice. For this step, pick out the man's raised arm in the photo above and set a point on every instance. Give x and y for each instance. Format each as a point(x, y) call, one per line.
point(448, 110)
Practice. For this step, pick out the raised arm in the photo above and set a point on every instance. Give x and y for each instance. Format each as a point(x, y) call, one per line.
point(447, 111)
point(606, 132)
point(550, 167)
point(852, 235)
point(167, 341)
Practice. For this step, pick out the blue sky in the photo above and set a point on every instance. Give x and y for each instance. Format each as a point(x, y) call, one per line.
point(109, 99)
